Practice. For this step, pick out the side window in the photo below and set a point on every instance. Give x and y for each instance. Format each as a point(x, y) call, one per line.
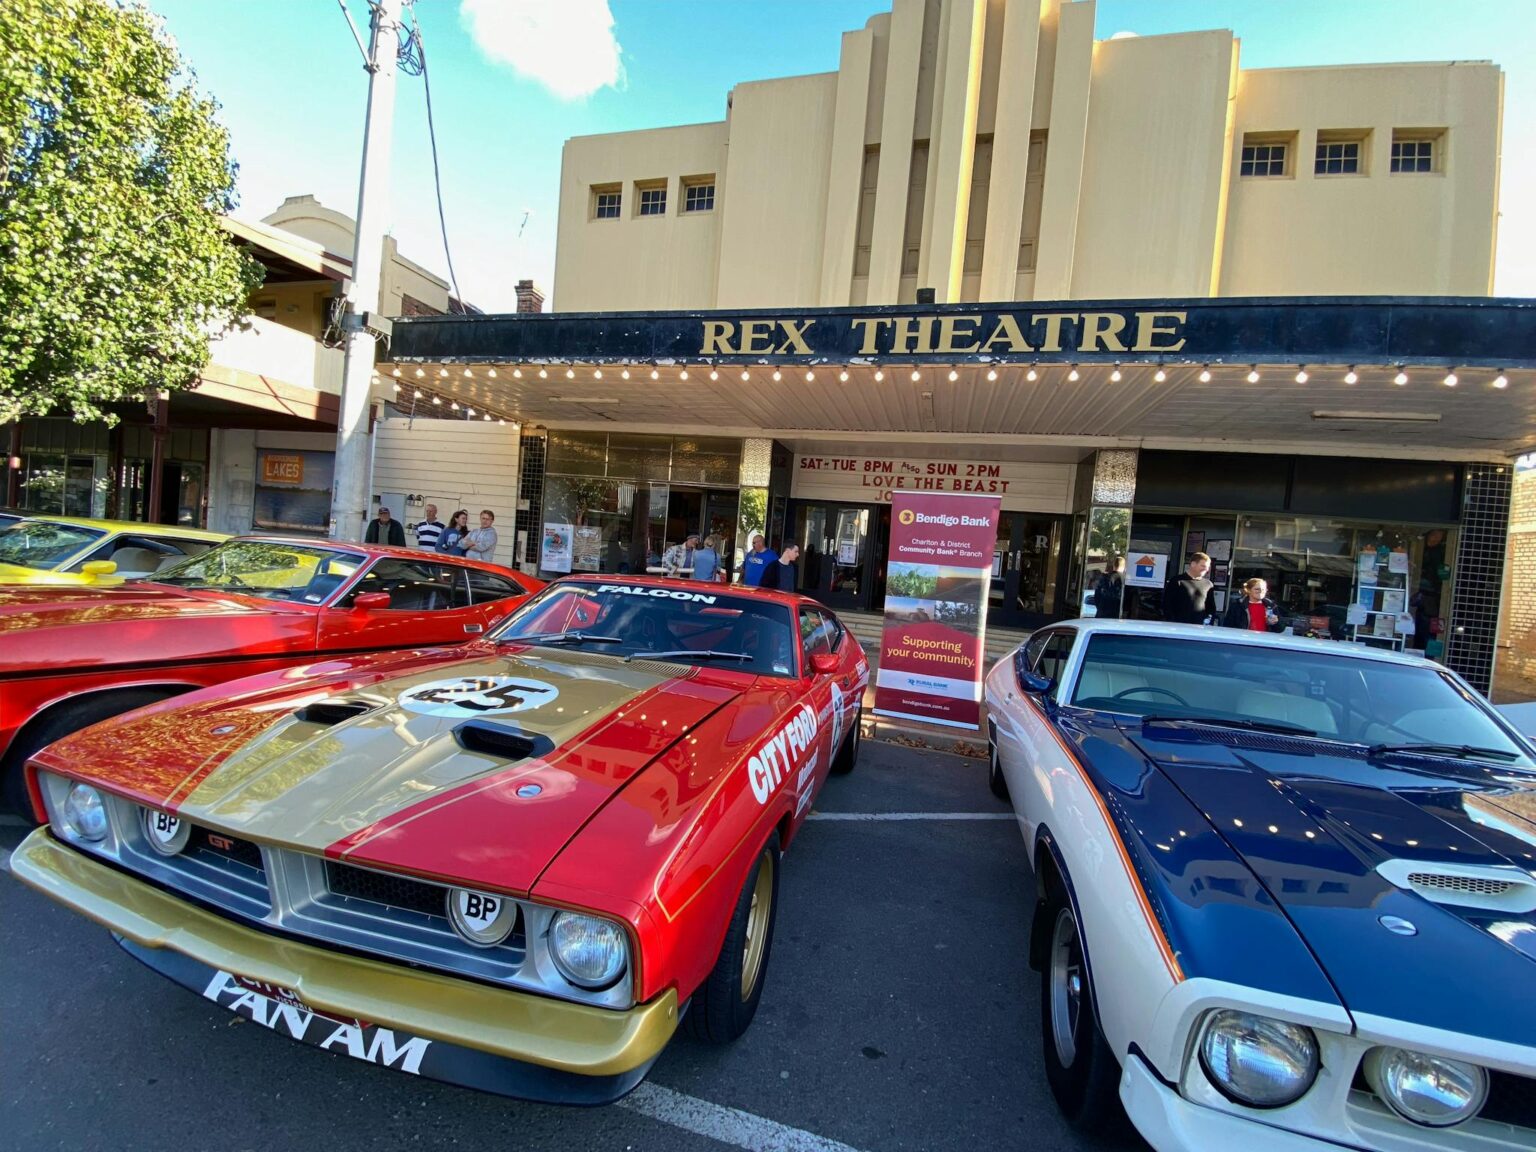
point(813, 635)
point(1054, 659)
point(133, 555)
point(835, 632)
point(1034, 646)
point(486, 587)
point(413, 585)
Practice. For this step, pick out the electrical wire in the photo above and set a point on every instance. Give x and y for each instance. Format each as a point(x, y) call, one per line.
point(413, 53)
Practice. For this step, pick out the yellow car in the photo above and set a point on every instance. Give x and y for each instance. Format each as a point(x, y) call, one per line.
point(65, 550)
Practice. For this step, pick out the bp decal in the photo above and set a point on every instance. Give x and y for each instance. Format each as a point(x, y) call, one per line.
point(478, 696)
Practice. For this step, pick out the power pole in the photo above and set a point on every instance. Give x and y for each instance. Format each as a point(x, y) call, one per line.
point(350, 495)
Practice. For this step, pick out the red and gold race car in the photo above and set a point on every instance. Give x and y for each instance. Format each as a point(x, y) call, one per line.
point(515, 865)
point(72, 656)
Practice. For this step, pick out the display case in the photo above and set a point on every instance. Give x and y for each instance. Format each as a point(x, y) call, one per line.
point(1378, 612)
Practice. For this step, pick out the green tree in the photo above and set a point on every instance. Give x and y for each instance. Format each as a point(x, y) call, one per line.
point(114, 270)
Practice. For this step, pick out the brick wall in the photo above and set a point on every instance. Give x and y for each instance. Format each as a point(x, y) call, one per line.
point(1514, 676)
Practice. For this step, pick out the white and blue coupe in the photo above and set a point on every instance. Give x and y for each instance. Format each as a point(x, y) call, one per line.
point(1285, 888)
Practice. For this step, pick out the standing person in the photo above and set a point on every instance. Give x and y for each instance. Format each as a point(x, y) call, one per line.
point(781, 573)
point(480, 543)
point(385, 529)
point(429, 529)
point(678, 559)
point(451, 542)
point(1187, 597)
point(1109, 590)
point(1254, 610)
point(706, 561)
point(757, 562)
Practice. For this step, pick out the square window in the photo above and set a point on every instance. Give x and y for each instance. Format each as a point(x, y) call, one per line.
point(1264, 156)
point(1414, 154)
point(607, 201)
point(1341, 158)
point(653, 200)
point(699, 196)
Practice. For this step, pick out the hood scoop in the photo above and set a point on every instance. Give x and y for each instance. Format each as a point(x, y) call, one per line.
point(331, 712)
point(1492, 888)
point(492, 739)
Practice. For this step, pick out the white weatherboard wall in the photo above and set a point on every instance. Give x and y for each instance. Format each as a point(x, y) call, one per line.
point(456, 464)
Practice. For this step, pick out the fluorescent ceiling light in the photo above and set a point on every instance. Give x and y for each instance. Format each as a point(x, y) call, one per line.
point(1385, 417)
point(585, 399)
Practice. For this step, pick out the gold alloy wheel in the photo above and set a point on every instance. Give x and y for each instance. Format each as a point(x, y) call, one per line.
point(757, 925)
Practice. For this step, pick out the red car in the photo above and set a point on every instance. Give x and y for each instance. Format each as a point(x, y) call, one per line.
point(514, 865)
point(73, 656)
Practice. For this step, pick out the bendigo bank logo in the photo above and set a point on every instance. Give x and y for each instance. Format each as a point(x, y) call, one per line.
point(1146, 567)
point(907, 516)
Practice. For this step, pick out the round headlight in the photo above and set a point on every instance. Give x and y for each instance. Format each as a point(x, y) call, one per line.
point(589, 952)
point(481, 918)
point(1428, 1090)
point(85, 813)
point(166, 834)
point(1257, 1061)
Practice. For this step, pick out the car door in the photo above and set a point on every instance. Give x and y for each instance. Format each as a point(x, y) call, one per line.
point(429, 604)
point(493, 596)
point(818, 636)
point(1028, 749)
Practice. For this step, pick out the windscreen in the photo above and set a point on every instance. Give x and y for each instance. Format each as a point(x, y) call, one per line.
point(1323, 690)
point(42, 544)
point(649, 621)
point(272, 570)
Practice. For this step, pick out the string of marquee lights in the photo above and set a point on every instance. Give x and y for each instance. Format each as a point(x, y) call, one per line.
point(413, 395)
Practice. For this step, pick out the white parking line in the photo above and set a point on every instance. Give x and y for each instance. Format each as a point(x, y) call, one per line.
point(727, 1125)
point(910, 816)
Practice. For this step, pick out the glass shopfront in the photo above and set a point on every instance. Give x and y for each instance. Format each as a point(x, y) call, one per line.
point(617, 502)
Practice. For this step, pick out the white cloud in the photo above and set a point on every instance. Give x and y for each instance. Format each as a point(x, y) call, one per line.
point(566, 45)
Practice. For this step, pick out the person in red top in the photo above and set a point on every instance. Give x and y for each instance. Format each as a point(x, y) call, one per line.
point(1252, 610)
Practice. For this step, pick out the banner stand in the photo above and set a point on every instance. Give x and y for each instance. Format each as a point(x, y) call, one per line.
point(938, 577)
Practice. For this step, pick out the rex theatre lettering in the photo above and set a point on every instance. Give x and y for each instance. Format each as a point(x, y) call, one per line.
point(975, 334)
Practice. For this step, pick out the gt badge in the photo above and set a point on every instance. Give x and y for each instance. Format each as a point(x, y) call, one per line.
point(478, 696)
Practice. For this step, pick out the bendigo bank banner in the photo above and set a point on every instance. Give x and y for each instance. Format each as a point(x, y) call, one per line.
point(936, 584)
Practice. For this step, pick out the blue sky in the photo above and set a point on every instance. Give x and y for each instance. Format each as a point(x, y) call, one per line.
point(293, 92)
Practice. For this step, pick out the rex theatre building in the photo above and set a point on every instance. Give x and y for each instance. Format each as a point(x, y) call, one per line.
point(1154, 302)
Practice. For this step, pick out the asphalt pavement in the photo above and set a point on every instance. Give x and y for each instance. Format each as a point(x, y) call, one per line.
point(900, 1013)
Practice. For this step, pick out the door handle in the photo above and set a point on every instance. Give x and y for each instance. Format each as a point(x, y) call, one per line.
point(474, 627)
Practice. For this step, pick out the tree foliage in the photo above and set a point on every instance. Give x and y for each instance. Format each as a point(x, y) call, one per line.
point(114, 269)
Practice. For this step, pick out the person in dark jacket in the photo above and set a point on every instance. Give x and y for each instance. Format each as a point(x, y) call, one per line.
point(1253, 610)
point(781, 573)
point(385, 529)
point(1107, 593)
point(1187, 597)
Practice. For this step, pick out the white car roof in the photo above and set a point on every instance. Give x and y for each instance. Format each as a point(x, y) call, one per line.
point(1096, 627)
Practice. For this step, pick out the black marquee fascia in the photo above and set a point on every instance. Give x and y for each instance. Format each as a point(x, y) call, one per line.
point(1449, 331)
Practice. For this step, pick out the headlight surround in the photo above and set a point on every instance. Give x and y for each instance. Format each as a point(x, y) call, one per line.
point(85, 813)
point(1434, 1091)
point(590, 952)
point(484, 919)
point(1258, 1061)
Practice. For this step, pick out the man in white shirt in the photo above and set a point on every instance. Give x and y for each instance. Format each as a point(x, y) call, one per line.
point(429, 529)
point(678, 559)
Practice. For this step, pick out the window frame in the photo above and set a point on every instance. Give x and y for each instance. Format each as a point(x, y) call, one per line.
point(1342, 138)
point(1256, 140)
point(459, 594)
point(644, 188)
point(474, 593)
point(596, 208)
point(1434, 138)
point(691, 184)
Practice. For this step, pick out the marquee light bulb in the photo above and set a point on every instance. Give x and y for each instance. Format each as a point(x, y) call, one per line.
point(1253, 375)
point(1032, 375)
point(842, 377)
point(418, 394)
point(1451, 380)
point(597, 373)
point(442, 373)
point(468, 374)
point(1160, 375)
point(486, 417)
point(491, 372)
point(1301, 376)
point(517, 373)
point(396, 385)
point(543, 375)
point(746, 376)
point(420, 373)
point(683, 375)
point(879, 375)
point(1351, 377)
point(655, 375)
point(1401, 378)
point(570, 374)
point(916, 375)
point(437, 399)
point(777, 375)
point(469, 412)
point(1073, 374)
point(991, 374)
point(713, 375)
point(501, 422)
point(455, 405)
point(1116, 375)
point(953, 375)
point(1501, 381)
point(810, 377)
point(625, 374)
point(396, 372)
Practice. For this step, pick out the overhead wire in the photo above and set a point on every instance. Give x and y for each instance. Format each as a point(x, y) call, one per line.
point(413, 62)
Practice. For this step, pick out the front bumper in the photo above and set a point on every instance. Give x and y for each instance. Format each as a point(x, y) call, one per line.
point(1171, 1123)
point(543, 1049)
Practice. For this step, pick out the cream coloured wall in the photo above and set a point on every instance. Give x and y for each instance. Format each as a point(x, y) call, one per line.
point(1153, 166)
point(665, 261)
point(1380, 232)
point(1140, 194)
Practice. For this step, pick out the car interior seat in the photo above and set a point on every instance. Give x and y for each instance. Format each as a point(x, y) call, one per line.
point(1288, 709)
point(133, 561)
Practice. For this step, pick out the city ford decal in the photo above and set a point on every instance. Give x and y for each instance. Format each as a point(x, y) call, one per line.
point(282, 1011)
point(658, 593)
point(774, 761)
point(478, 696)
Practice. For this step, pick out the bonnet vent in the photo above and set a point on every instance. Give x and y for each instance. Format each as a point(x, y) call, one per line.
point(1495, 888)
point(492, 739)
point(330, 712)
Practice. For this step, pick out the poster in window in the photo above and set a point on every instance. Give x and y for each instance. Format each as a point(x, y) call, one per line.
point(1397, 563)
point(1220, 551)
point(555, 547)
point(586, 548)
point(1194, 542)
point(1393, 601)
point(1146, 569)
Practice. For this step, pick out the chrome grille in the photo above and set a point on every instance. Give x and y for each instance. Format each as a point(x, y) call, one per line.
point(1474, 885)
point(224, 871)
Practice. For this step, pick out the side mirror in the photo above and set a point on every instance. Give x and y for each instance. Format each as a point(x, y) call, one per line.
point(98, 568)
point(824, 663)
point(370, 602)
point(1029, 682)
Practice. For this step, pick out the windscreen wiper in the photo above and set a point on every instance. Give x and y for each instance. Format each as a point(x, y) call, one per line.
point(1453, 751)
point(691, 653)
point(1277, 726)
point(560, 638)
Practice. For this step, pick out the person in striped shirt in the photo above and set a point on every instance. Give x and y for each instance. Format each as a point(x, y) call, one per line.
point(429, 529)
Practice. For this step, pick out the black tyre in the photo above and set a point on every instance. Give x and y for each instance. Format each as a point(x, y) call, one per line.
point(1082, 1071)
point(995, 780)
point(58, 724)
point(848, 755)
point(723, 1006)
